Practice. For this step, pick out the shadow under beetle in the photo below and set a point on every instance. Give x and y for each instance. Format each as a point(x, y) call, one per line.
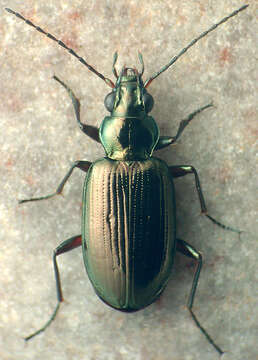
point(129, 218)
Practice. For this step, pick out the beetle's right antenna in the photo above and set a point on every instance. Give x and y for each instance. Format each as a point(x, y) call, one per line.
point(175, 58)
point(71, 51)
point(142, 63)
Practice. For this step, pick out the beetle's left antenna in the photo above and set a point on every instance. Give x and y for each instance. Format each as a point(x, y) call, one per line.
point(114, 65)
point(71, 51)
point(175, 58)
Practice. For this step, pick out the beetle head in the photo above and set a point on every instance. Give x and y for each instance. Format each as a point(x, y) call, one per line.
point(129, 96)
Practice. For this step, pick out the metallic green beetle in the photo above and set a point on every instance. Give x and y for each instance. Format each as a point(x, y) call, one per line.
point(128, 221)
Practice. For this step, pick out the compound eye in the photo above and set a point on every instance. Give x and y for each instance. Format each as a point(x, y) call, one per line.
point(109, 101)
point(148, 102)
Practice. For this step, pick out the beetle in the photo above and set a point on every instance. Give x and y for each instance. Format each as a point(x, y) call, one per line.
point(128, 235)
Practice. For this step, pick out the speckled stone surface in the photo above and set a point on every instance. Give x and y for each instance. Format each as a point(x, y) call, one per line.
point(40, 139)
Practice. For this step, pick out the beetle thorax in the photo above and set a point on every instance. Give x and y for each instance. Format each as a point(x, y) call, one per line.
point(129, 133)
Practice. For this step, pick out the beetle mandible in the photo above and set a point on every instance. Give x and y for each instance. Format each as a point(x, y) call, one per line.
point(128, 220)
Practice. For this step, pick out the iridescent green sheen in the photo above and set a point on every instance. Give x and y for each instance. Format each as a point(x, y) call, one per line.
point(129, 214)
point(129, 133)
point(128, 230)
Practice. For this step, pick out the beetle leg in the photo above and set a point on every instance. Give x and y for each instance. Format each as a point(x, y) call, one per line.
point(187, 250)
point(83, 165)
point(182, 170)
point(165, 141)
point(67, 245)
point(91, 131)
point(183, 123)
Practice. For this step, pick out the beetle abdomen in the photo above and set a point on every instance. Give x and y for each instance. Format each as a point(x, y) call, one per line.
point(128, 230)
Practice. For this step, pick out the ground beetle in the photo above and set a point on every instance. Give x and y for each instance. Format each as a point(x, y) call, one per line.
point(128, 219)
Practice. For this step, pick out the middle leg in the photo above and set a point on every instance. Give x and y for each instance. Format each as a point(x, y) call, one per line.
point(81, 164)
point(182, 170)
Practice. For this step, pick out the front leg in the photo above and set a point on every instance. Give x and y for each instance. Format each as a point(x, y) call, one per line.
point(165, 141)
point(91, 131)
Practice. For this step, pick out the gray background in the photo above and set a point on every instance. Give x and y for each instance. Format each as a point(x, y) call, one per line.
point(40, 139)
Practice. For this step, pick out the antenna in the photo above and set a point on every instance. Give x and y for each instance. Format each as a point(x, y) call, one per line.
point(194, 41)
point(71, 51)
